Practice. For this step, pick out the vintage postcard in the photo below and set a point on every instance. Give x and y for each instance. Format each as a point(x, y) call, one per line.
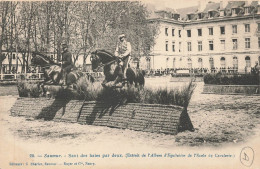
point(130, 84)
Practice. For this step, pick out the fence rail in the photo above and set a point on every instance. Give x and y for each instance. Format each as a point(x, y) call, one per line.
point(32, 76)
point(15, 76)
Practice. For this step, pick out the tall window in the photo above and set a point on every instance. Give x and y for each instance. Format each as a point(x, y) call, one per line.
point(247, 43)
point(222, 43)
point(13, 56)
point(210, 31)
point(211, 46)
point(179, 33)
point(235, 62)
point(166, 31)
point(200, 63)
point(211, 63)
point(173, 63)
point(234, 29)
point(258, 29)
point(248, 61)
point(222, 30)
point(166, 45)
point(173, 46)
point(179, 46)
point(258, 42)
point(247, 27)
point(188, 33)
point(189, 46)
point(223, 62)
point(234, 41)
point(246, 10)
point(189, 63)
point(172, 32)
point(199, 32)
point(199, 45)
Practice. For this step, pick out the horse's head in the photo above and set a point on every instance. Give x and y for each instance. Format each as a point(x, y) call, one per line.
point(95, 60)
point(39, 59)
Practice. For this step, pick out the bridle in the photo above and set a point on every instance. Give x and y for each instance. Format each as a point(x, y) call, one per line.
point(102, 64)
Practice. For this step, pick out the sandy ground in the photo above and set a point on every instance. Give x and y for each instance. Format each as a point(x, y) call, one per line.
point(222, 123)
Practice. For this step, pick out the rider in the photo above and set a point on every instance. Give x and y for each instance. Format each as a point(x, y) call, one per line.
point(66, 63)
point(123, 52)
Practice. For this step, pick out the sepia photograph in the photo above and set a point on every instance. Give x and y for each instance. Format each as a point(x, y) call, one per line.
point(130, 84)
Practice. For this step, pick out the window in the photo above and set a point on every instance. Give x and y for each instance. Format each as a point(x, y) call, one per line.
point(166, 45)
point(199, 45)
point(234, 41)
point(234, 12)
point(172, 32)
point(188, 33)
point(13, 56)
point(210, 31)
point(189, 46)
point(248, 61)
point(210, 14)
point(234, 29)
point(222, 13)
point(199, 32)
point(173, 46)
point(223, 62)
point(258, 42)
point(247, 28)
point(179, 33)
point(189, 63)
point(258, 27)
point(173, 63)
point(222, 30)
point(247, 43)
point(179, 46)
point(200, 16)
point(211, 47)
point(211, 63)
point(246, 11)
point(200, 63)
point(166, 31)
point(235, 62)
point(222, 43)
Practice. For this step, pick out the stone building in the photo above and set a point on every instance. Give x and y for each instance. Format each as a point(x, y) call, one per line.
point(211, 36)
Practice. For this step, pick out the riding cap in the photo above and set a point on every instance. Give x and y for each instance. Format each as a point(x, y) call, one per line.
point(121, 36)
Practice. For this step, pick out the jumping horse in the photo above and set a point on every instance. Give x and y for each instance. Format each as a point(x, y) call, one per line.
point(111, 69)
point(53, 72)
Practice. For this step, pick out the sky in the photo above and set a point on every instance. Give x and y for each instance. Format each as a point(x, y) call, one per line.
point(176, 4)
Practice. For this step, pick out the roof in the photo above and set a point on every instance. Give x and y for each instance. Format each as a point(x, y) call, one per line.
point(184, 11)
point(212, 7)
point(235, 4)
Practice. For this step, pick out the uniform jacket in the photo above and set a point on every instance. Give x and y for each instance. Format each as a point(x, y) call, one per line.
point(123, 49)
point(66, 59)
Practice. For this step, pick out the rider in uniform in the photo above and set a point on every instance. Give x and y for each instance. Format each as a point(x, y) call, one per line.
point(123, 52)
point(66, 63)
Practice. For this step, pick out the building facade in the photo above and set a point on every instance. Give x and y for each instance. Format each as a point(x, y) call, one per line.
point(223, 35)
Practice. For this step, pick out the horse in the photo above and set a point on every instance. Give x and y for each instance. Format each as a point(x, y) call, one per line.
point(52, 71)
point(113, 75)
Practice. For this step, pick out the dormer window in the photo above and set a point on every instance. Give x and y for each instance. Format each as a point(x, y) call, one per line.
point(246, 10)
point(234, 12)
point(189, 17)
point(200, 16)
point(221, 13)
point(210, 14)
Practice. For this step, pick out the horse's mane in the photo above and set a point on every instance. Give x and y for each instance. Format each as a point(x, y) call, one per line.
point(102, 51)
point(45, 57)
